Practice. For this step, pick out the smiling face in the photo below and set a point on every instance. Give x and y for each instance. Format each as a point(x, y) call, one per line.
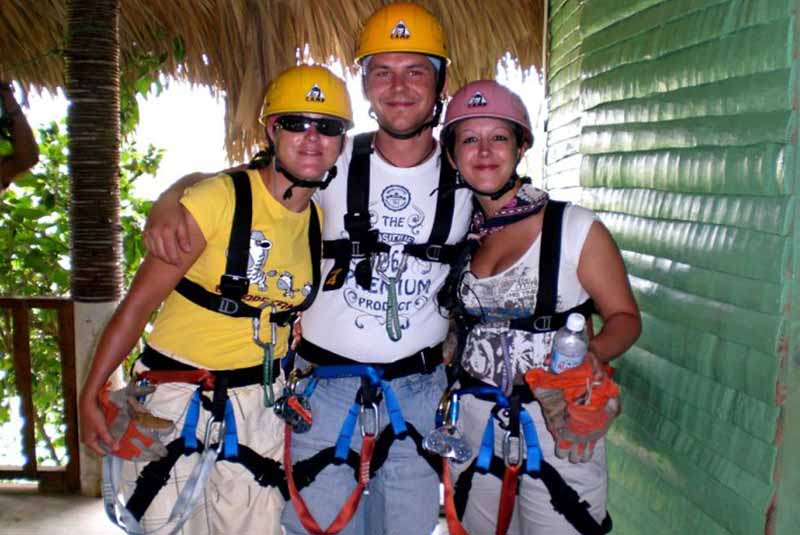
point(306, 154)
point(486, 152)
point(401, 88)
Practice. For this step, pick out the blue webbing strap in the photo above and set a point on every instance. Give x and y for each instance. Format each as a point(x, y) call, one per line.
point(373, 375)
point(189, 431)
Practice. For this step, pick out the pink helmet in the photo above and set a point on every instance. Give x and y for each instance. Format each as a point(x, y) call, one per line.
point(487, 98)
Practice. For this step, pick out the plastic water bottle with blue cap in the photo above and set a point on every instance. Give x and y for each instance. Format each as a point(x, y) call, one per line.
point(570, 344)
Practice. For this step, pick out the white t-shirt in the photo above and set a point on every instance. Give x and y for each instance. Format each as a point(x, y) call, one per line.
point(493, 351)
point(351, 321)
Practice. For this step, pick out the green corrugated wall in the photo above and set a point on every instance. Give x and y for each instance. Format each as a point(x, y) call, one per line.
point(676, 120)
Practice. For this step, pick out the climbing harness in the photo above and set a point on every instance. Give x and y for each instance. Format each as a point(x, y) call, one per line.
point(163, 369)
point(508, 400)
point(363, 411)
point(234, 282)
point(363, 241)
point(513, 455)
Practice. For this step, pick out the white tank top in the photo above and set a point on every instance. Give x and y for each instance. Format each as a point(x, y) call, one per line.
point(496, 354)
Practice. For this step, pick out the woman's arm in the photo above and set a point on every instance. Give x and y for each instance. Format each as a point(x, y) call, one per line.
point(601, 272)
point(154, 280)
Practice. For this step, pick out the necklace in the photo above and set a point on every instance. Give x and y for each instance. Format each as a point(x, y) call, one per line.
point(390, 162)
point(527, 202)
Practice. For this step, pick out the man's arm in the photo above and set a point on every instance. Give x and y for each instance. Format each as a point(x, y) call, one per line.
point(25, 150)
point(166, 233)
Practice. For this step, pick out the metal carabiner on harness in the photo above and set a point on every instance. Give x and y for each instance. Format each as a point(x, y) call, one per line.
point(364, 420)
point(293, 407)
point(393, 326)
point(512, 450)
point(269, 355)
point(446, 440)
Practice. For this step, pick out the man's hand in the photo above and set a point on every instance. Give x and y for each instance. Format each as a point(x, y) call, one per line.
point(166, 232)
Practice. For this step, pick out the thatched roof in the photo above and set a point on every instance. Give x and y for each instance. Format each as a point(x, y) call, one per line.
point(236, 46)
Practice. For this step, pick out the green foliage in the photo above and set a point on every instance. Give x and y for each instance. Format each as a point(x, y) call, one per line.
point(34, 252)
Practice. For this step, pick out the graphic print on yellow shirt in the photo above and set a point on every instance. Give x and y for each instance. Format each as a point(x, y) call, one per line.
point(278, 267)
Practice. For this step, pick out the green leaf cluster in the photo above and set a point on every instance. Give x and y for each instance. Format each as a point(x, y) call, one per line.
point(35, 246)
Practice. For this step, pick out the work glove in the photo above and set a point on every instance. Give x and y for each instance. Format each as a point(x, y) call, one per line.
point(578, 409)
point(134, 429)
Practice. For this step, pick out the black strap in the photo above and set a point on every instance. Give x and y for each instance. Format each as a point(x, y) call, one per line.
point(217, 303)
point(544, 318)
point(563, 498)
point(315, 243)
point(307, 470)
point(549, 258)
point(424, 361)
point(235, 276)
point(154, 476)
point(363, 240)
point(233, 283)
point(235, 378)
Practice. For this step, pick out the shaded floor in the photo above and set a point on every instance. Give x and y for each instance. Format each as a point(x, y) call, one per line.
point(24, 512)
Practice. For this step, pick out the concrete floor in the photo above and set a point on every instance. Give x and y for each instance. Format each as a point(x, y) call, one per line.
point(25, 512)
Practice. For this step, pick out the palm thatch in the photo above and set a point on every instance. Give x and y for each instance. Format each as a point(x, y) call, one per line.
point(236, 46)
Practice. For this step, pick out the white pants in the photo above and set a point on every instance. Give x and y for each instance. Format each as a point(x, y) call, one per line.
point(232, 503)
point(533, 512)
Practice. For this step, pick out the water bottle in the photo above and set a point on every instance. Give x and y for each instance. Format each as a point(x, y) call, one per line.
point(570, 344)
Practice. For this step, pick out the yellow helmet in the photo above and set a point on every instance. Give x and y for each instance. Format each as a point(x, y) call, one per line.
point(307, 89)
point(402, 27)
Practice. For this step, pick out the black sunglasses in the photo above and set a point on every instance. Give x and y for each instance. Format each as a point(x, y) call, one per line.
point(301, 123)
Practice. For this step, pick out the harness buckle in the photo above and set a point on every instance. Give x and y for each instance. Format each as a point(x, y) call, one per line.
point(369, 420)
point(512, 450)
point(433, 252)
point(355, 249)
point(544, 326)
point(229, 307)
point(233, 287)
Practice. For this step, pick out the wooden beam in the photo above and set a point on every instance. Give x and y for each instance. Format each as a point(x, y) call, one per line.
point(24, 381)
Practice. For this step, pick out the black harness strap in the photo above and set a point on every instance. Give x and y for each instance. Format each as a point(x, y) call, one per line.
point(234, 282)
point(544, 318)
point(363, 240)
point(267, 472)
point(307, 470)
point(154, 477)
point(564, 499)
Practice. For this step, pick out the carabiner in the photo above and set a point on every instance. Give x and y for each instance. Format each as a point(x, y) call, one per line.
point(221, 434)
point(508, 443)
point(297, 375)
point(375, 420)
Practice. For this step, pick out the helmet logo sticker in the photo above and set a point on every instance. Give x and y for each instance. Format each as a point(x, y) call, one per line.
point(477, 100)
point(400, 31)
point(315, 94)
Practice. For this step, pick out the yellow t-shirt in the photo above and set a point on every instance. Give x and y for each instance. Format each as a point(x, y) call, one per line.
point(279, 269)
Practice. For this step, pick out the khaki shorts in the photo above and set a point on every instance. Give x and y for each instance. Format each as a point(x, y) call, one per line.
point(533, 512)
point(232, 503)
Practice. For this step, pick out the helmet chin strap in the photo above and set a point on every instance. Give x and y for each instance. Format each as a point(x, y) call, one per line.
point(302, 183)
point(264, 157)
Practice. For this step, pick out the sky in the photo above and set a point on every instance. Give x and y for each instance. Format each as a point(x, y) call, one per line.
point(188, 123)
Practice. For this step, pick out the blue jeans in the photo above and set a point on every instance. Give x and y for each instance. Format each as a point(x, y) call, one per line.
point(403, 496)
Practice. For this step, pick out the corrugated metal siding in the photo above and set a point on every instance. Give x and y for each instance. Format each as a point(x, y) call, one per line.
point(678, 121)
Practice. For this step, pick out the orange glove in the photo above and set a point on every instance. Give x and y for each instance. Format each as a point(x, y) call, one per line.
point(578, 410)
point(131, 425)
